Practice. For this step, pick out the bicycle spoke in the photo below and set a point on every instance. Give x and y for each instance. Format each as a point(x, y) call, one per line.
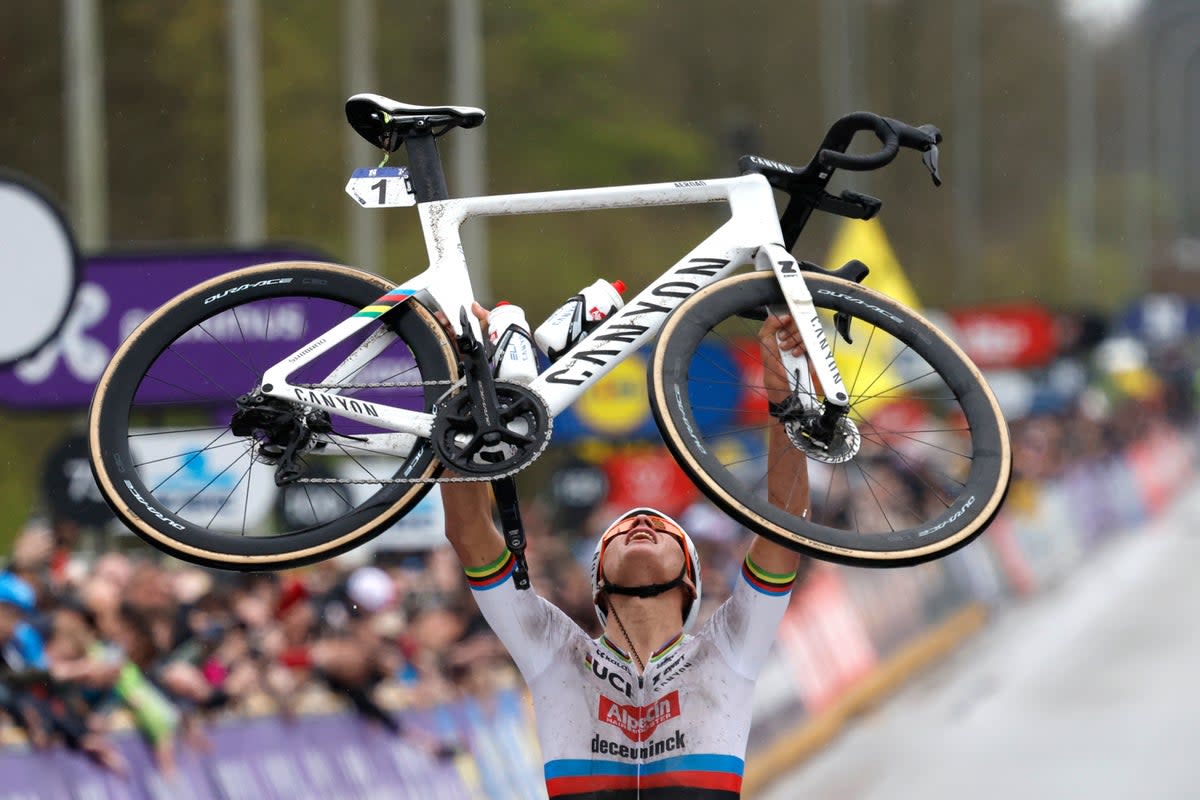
point(174, 431)
point(241, 333)
point(192, 456)
point(172, 385)
point(191, 453)
point(862, 361)
point(202, 373)
point(246, 505)
point(877, 437)
point(746, 460)
point(357, 463)
point(233, 491)
point(212, 481)
point(226, 348)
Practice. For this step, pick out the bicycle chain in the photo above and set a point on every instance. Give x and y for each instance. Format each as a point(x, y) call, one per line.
point(399, 385)
point(389, 481)
point(454, 479)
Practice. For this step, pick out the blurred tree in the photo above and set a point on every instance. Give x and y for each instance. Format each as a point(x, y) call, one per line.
point(31, 128)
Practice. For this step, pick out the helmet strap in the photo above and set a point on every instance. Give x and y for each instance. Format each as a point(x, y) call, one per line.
point(649, 590)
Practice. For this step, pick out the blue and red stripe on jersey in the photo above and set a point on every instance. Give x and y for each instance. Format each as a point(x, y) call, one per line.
point(704, 776)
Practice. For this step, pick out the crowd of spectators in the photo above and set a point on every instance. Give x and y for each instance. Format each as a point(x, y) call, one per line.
point(127, 638)
point(124, 637)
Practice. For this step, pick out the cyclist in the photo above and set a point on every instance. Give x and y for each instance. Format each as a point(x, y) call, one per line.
point(646, 710)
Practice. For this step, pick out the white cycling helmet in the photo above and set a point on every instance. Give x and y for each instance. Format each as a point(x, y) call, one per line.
point(691, 567)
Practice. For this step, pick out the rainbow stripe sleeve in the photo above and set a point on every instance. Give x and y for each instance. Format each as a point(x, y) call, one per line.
point(491, 575)
point(766, 582)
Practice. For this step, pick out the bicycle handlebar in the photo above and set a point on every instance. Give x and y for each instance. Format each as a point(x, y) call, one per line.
point(806, 186)
point(892, 134)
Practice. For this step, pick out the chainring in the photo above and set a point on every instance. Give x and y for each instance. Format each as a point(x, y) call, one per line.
point(523, 433)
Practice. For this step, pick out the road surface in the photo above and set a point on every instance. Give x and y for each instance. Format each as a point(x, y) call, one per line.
point(1089, 690)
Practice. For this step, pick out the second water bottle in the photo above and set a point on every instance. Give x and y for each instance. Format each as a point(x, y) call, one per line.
point(578, 317)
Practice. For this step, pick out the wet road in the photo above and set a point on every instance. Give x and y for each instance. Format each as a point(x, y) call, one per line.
point(1090, 690)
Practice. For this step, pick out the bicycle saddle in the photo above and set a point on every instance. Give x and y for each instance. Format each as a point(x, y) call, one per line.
point(385, 122)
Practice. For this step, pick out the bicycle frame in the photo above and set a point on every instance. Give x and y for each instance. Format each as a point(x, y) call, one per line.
point(751, 235)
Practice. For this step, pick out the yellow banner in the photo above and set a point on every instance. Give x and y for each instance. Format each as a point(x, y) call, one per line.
point(866, 241)
point(867, 365)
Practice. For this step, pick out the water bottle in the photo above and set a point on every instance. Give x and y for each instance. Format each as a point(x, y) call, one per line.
point(513, 358)
point(578, 317)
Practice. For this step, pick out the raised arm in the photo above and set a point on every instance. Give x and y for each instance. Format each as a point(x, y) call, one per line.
point(468, 508)
point(787, 467)
point(469, 525)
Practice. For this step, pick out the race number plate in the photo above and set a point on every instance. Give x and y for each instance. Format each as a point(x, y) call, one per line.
point(381, 187)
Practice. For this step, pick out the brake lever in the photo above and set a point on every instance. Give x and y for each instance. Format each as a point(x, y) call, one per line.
point(929, 158)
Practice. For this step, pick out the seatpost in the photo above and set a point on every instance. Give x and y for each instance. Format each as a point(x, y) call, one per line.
point(425, 164)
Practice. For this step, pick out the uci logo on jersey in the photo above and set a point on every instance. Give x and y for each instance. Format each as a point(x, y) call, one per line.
point(610, 676)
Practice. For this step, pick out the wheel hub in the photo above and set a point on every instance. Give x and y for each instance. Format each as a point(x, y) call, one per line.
point(841, 446)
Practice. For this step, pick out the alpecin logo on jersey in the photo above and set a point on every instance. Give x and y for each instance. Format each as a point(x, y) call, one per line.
point(640, 722)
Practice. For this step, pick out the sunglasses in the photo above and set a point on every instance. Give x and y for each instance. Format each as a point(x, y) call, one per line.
point(656, 523)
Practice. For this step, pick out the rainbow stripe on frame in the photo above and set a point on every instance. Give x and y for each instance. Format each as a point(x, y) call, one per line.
point(386, 303)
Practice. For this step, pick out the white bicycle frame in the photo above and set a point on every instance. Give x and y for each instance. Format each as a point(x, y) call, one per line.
point(751, 235)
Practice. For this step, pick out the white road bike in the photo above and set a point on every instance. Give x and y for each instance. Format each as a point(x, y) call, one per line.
point(909, 453)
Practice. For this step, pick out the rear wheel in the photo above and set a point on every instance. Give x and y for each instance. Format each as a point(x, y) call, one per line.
point(188, 452)
point(928, 459)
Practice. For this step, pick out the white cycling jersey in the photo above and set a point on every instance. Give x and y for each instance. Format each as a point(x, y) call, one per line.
point(678, 730)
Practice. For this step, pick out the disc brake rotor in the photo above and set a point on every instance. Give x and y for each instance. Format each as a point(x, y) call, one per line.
point(839, 448)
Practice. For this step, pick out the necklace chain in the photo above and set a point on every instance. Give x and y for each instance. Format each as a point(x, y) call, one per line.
point(632, 647)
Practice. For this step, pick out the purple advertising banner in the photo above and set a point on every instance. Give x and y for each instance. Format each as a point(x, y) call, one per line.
point(28, 775)
point(334, 757)
point(116, 293)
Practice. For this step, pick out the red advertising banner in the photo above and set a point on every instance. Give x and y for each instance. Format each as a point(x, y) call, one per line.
point(649, 478)
point(824, 638)
point(1006, 336)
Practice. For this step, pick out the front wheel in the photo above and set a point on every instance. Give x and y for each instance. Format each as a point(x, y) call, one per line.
point(196, 460)
point(931, 458)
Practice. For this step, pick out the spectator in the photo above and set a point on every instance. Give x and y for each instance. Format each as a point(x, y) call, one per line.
point(156, 717)
point(22, 657)
point(84, 676)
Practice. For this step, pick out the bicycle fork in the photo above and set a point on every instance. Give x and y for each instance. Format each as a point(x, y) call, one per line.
point(821, 428)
